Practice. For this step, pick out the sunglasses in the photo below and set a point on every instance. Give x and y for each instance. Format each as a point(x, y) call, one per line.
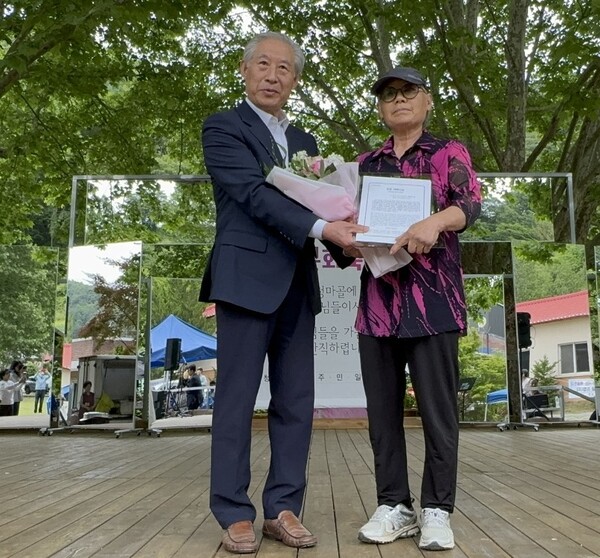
point(408, 91)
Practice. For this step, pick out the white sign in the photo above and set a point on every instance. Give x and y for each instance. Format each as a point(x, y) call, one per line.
point(338, 381)
point(584, 386)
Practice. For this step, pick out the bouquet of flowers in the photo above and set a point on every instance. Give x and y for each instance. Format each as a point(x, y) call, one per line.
point(315, 167)
point(325, 185)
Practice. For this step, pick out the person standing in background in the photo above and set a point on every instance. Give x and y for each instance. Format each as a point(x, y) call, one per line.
point(203, 393)
point(194, 392)
point(17, 376)
point(7, 392)
point(42, 382)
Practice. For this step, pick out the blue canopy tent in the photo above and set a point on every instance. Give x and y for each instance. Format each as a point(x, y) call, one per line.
point(494, 397)
point(195, 343)
point(499, 396)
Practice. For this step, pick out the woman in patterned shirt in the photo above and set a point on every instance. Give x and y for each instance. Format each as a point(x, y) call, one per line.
point(413, 317)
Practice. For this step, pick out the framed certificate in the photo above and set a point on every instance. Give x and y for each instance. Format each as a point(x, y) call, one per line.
point(390, 205)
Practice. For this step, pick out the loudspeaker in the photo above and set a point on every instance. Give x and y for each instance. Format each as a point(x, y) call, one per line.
point(524, 329)
point(172, 353)
point(160, 405)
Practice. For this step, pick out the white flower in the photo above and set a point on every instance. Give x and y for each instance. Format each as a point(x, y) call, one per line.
point(314, 167)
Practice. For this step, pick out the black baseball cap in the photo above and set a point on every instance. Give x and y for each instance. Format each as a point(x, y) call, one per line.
point(399, 72)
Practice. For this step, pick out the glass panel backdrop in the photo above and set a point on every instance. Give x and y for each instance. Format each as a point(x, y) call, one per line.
point(102, 332)
point(552, 287)
point(170, 215)
point(172, 273)
point(109, 214)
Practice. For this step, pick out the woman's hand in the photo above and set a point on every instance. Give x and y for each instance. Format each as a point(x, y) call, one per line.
point(419, 238)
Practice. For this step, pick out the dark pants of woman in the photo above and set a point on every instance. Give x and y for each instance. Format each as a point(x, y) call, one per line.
point(16, 406)
point(6, 410)
point(433, 367)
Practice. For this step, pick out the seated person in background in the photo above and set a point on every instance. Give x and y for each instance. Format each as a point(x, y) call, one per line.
point(194, 396)
point(7, 392)
point(529, 384)
point(88, 399)
point(533, 385)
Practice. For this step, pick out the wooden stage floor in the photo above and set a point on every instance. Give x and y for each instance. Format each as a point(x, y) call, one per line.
point(521, 493)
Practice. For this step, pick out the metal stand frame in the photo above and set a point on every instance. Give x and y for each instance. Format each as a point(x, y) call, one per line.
point(48, 430)
point(508, 424)
point(150, 431)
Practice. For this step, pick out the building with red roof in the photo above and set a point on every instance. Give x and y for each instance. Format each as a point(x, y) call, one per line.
point(560, 331)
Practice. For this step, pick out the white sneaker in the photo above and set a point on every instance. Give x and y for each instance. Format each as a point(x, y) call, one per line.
point(388, 524)
point(436, 533)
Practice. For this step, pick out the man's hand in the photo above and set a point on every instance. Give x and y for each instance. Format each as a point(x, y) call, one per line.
point(419, 238)
point(343, 233)
point(352, 253)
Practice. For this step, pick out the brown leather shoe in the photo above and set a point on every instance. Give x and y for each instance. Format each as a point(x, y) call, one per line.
point(239, 538)
point(288, 529)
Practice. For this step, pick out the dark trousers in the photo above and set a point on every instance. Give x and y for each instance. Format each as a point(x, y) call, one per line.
point(286, 336)
point(39, 400)
point(6, 410)
point(193, 401)
point(16, 406)
point(433, 366)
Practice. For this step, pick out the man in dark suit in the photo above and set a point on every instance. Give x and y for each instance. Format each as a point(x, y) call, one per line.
point(263, 276)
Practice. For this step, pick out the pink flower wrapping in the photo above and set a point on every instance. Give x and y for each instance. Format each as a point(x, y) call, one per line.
point(331, 197)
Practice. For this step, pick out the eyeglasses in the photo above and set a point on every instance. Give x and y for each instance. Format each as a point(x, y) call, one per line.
point(408, 91)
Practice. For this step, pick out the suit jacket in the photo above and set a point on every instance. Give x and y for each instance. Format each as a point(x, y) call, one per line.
point(261, 235)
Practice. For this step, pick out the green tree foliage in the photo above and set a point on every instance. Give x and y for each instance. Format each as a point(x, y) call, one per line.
point(177, 261)
point(517, 81)
point(544, 372)
point(489, 371)
point(481, 294)
point(83, 305)
point(112, 87)
point(180, 297)
point(510, 218)
point(27, 302)
point(149, 210)
point(98, 87)
point(544, 270)
point(117, 313)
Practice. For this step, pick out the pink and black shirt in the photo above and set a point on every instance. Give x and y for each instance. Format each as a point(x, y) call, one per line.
point(426, 297)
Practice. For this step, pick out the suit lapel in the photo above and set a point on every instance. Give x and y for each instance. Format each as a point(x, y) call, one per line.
point(294, 140)
point(261, 132)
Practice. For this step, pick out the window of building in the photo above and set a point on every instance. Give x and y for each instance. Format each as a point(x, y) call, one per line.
point(574, 358)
